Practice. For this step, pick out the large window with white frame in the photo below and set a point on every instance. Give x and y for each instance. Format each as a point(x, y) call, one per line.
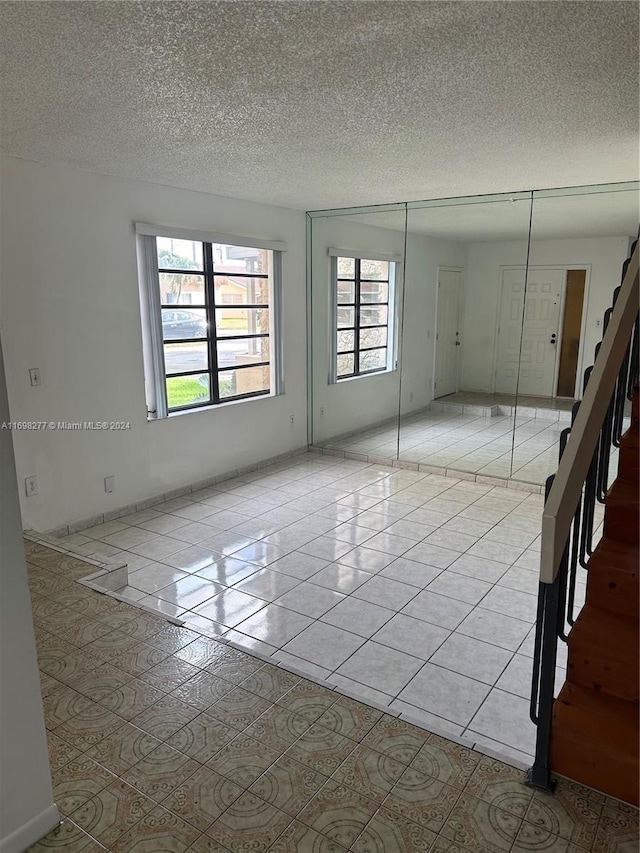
point(211, 318)
point(364, 316)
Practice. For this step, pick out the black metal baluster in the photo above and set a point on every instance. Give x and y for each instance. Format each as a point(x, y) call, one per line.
point(620, 399)
point(537, 642)
point(634, 359)
point(549, 594)
point(588, 514)
point(573, 563)
point(570, 585)
point(604, 451)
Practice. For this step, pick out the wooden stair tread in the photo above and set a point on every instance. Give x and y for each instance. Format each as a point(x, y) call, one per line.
point(606, 630)
point(628, 460)
point(629, 457)
point(623, 493)
point(621, 511)
point(612, 553)
point(613, 578)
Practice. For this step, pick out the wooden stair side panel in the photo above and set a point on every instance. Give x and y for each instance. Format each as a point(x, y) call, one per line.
point(595, 741)
point(594, 735)
point(628, 460)
point(612, 579)
point(621, 512)
point(603, 653)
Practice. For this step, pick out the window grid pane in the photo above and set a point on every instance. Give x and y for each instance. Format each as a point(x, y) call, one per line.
point(215, 303)
point(362, 316)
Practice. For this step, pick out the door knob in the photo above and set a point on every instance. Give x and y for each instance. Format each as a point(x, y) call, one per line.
point(457, 343)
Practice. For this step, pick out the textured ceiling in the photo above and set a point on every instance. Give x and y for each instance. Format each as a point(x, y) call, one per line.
point(325, 104)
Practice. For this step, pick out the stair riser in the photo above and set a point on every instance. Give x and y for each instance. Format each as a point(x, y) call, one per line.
point(628, 463)
point(621, 523)
point(601, 673)
point(614, 590)
point(628, 468)
point(629, 474)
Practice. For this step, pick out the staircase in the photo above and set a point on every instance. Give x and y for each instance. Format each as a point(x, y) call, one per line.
point(590, 731)
point(594, 729)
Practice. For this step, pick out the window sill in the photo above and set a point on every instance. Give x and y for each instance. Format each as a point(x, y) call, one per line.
point(363, 376)
point(214, 407)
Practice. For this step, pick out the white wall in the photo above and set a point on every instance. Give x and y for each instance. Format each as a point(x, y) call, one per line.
point(602, 256)
point(70, 307)
point(353, 404)
point(27, 810)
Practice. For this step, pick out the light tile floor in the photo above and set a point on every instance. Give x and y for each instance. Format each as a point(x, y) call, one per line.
point(162, 740)
point(413, 592)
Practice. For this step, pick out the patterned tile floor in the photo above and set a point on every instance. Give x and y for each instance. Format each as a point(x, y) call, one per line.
point(162, 740)
point(413, 592)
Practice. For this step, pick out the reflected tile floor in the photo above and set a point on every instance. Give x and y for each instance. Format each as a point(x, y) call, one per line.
point(163, 739)
point(481, 398)
point(410, 591)
point(462, 437)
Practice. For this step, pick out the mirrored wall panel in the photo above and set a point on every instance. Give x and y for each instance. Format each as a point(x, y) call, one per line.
point(466, 261)
point(452, 335)
point(579, 241)
point(357, 283)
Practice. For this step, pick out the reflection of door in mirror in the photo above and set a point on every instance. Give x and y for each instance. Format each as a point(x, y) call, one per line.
point(447, 331)
point(529, 364)
point(570, 338)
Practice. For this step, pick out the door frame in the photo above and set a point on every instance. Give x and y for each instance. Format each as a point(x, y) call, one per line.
point(461, 314)
point(577, 391)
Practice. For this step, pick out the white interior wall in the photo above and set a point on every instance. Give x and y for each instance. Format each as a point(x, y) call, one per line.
point(357, 403)
point(603, 258)
point(71, 308)
point(27, 810)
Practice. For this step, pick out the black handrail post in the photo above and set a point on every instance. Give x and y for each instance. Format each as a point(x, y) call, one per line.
point(539, 775)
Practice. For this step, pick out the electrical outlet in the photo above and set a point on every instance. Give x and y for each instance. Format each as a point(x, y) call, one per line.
point(411, 397)
point(322, 411)
point(31, 486)
point(109, 483)
point(34, 376)
point(292, 419)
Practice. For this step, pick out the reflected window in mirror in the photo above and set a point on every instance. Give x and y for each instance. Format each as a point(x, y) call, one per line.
point(363, 292)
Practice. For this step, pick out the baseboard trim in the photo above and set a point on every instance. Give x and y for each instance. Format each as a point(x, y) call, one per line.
point(32, 831)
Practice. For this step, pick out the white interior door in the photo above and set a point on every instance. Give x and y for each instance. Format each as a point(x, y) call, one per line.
point(447, 332)
point(535, 360)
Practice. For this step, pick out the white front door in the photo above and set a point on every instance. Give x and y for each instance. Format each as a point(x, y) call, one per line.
point(529, 366)
point(447, 332)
